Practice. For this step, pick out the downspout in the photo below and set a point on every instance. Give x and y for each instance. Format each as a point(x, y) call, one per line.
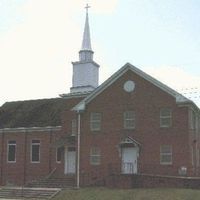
point(78, 150)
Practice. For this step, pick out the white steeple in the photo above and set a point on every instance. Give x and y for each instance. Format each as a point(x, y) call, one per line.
point(85, 71)
point(86, 52)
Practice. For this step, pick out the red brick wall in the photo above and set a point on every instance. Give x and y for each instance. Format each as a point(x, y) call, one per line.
point(149, 181)
point(23, 171)
point(146, 100)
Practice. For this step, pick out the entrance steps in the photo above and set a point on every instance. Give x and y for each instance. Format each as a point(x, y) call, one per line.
point(66, 181)
point(27, 193)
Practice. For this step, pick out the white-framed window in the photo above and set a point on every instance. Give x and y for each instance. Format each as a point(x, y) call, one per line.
point(129, 119)
point(74, 127)
point(165, 117)
point(35, 151)
point(95, 156)
point(11, 151)
point(59, 154)
point(95, 121)
point(165, 154)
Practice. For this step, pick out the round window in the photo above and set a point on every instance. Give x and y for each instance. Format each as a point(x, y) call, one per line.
point(129, 86)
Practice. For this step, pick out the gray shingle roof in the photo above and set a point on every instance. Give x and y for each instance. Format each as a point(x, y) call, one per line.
point(34, 113)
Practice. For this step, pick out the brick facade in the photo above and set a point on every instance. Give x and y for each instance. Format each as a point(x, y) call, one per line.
point(146, 100)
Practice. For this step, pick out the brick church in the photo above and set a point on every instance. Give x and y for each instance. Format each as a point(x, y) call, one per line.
point(130, 124)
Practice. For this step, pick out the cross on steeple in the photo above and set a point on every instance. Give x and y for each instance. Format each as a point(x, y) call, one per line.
point(87, 7)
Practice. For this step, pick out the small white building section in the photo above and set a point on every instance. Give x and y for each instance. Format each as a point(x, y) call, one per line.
point(85, 71)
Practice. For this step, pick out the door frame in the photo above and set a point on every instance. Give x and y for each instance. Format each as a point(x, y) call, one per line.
point(66, 160)
point(132, 167)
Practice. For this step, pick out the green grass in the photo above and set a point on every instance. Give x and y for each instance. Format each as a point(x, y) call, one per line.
point(134, 194)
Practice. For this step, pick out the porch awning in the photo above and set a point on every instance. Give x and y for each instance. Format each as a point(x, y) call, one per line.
point(129, 141)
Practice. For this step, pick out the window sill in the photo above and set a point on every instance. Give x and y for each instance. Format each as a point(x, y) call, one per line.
point(129, 128)
point(11, 162)
point(165, 164)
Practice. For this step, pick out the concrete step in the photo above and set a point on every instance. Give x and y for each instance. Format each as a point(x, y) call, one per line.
point(29, 193)
point(64, 182)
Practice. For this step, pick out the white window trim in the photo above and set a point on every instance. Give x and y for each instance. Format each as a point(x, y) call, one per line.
point(165, 117)
point(95, 155)
point(8, 152)
point(74, 127)
point(93, 121)
point(34, 144)
point(129, 119)
point(161, 154)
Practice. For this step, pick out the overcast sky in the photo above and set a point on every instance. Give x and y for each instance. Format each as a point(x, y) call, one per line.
point(40, 38)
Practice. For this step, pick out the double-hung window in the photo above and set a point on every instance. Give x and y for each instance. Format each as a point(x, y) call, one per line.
point(74, 127)
point(165, 117)
point(35, 151)
point(95, 156)
point(129, 120)
point(165, 154)
point(11, 151)
point(95, 121)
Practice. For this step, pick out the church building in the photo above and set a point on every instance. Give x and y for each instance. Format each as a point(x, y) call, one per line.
point(130, 124)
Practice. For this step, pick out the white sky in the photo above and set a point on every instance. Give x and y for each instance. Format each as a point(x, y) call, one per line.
point(40, 38)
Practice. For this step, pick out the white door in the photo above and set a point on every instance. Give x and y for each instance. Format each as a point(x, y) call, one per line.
point(70, 161)
point(129, 160)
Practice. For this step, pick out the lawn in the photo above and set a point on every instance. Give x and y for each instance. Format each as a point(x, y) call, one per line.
point(134, 194)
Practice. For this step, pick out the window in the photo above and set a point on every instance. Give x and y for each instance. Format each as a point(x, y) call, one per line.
point(74, 127)
point(95, 156)
point(95, 121)
point(58, 154)
point(197, 158)
point(11, 151)
point(129, 120)
point(35, 151)
point(192, 155)
point(192, 120)
point(166, 154)
point(165, 117)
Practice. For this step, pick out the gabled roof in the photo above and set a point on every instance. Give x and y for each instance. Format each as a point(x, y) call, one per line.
point(35, 113)
point(179, 97)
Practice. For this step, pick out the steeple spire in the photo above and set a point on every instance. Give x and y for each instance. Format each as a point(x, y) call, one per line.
point(86, 53)
point(86, 43)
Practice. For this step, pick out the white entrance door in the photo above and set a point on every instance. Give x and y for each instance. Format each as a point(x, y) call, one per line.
point(129, 160)
point(70, 160)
